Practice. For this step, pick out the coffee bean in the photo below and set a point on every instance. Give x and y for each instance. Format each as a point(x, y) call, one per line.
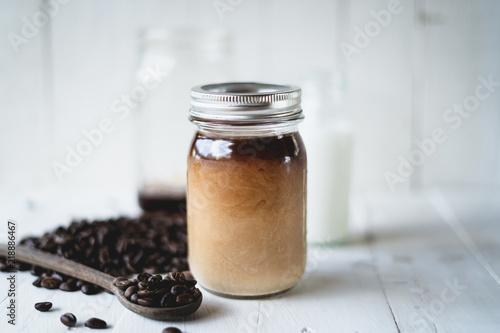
point(50, 283)
point(90, 289)
point(190, 282)
point(184, 299)
point(68, 319)
point(142, 285)
point(123, 285)
point(134, 298)
point(196, 293)
point(145, 301)
point(178, 289)
point(164, 284)
point(68, 286)
point(117, 280)
point(154, 279)
point(162, 291)
point(171, 329)
point(58, 276)
point(168, 300)
point(143, 277)
point(38, 282)
point(43, 306)
point(130, 291)
point(96, 323)
point(145, 293)
point(37, 270)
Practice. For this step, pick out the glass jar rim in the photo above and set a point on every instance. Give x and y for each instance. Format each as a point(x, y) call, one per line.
point(245, 103)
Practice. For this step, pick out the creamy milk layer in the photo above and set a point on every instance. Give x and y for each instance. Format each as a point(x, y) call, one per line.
point(246, 213)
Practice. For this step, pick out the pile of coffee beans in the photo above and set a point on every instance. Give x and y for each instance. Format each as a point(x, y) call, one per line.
point(175, 289)
point(154, 242)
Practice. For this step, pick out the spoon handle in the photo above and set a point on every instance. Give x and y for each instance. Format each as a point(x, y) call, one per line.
point(40, 258)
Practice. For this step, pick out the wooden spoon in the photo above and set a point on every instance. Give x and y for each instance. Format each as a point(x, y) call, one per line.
point(36, 257)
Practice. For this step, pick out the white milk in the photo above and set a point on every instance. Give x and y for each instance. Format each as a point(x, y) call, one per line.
point(329, 155)
point(328, 136)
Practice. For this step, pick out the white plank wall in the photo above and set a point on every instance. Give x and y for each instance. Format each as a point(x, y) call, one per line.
point(64, 80)
point(24, 100)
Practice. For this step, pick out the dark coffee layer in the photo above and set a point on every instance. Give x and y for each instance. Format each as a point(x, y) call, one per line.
point(288, 147)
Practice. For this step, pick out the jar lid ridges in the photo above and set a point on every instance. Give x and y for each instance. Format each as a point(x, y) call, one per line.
point(245, 102)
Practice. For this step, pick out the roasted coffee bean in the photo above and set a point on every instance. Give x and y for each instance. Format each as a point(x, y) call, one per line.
point(43, 306)
point(145, 293)
point(171, 329)
point(68, 319)
point(37, 270)
point(190, 282)
point(96, 323)
point(134, 298)
point(38, 282)
point(117, 280)
point(162, 291)
point(168, 300)
point(145, 301)
point(58, 276)
point(142, 285)
point(130, 291)
point(90, 289)
point(176, 276)
point(154, 279)
point(68, 286)
point(184, 299)
point(122, 283)
point(178, 289)
point(79, 284)
point(50, 283)
point(143, 277)
point(164, 284)
point(196, 293)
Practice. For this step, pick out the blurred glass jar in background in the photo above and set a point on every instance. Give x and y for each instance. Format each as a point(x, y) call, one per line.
point(328, 134)
point(178, 60)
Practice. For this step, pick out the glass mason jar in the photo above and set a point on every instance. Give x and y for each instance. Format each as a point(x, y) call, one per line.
point(246, 192)
point(178, 59)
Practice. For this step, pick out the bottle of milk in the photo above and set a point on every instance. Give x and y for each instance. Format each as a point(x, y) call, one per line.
point(328, 135)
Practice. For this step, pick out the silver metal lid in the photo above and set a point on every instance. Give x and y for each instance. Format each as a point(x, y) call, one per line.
point(245, 103)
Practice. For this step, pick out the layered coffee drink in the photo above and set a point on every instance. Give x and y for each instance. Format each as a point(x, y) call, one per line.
point(246, 192)
point(246, 213)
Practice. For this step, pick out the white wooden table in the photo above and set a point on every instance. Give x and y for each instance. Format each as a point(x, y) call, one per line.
point(426, 262)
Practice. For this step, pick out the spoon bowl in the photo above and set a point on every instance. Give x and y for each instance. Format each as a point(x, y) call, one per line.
point(36, 257)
